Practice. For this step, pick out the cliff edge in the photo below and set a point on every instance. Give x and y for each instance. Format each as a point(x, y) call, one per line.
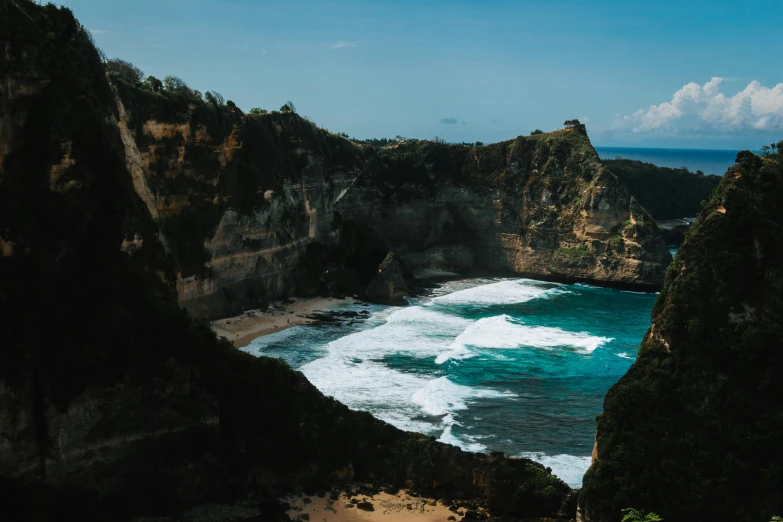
point(692, 431)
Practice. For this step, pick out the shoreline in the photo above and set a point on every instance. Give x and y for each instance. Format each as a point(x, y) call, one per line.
point(242, 329)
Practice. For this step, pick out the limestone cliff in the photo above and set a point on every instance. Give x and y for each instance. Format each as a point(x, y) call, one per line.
point(243, 201)
point(113, 402)
point(542, 206)
point(665, 192)
point(692, 431)
point(239, 198)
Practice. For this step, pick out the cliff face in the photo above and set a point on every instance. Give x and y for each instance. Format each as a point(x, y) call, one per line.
point(666, 193)
point(692, 431)
point(112, 401)
point(542, 206)
point(239, 198)
point(242, 200)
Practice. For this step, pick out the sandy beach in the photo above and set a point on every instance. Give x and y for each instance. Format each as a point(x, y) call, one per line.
point(242, 329)
point(383, 507)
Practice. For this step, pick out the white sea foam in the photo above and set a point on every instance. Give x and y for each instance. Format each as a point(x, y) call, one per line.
point(441, 396)
point(448, 437)
point(569, 468)
point(457, 352)
point(625, 355)
point(500, 293)
point(353, 372)
point(502, 331)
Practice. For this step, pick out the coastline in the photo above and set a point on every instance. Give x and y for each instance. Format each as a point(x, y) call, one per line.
point(252, 324)
point(242, 329)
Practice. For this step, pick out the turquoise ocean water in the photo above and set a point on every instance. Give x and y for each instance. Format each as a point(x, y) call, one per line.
point(709, 161)
point(513, 365)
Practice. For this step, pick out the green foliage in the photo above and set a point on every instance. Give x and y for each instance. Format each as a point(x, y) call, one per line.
point(257, 111)
point(125, 71)
point(537, 131)
point(639, 515)
point(289, 107)
point(439, 140)
point(666, 193)
point(153, 84)
point(773, 150)
point(576, 252)
point(214, 98)
point(176, 86)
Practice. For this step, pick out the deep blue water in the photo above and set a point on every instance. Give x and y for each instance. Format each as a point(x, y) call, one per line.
point(513, 365)
point(709, 161)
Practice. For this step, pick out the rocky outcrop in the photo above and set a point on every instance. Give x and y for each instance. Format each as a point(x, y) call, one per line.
point(388, 286)
point(692, 431)
point(113, 402)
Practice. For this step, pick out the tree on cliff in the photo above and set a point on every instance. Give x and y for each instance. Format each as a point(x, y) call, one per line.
point(153, 84)
point(175, 85)
point(288, 107)
point(125, 71)
point(214, 97)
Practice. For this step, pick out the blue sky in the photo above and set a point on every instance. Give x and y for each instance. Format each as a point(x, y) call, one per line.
point(641, 73)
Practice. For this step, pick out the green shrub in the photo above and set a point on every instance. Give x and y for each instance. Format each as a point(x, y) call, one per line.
point(125, 71)
point(638, 515)
point(574, 252)
point(176, 86)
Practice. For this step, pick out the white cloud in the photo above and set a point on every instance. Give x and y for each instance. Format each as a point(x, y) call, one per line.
point(704, 108)
point(342, 45)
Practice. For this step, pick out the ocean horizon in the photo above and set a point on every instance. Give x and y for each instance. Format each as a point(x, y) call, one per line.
point(709, 161)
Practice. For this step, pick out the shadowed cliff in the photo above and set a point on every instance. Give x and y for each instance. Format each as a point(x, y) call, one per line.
point(693, 430)
point(258, 206)
point(665, 192)
point(113, 402)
